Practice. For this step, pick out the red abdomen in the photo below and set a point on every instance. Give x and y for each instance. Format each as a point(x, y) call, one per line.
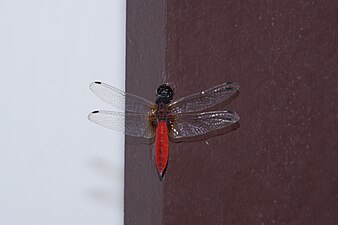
point(161, 146)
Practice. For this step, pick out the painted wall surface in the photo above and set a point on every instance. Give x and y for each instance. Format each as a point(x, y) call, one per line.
point(280, 165)
point(56, 167)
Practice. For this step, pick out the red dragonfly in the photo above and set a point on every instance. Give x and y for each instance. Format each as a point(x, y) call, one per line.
point(163, 121)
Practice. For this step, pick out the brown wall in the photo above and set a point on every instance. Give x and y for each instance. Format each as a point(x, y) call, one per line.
point(280, 166)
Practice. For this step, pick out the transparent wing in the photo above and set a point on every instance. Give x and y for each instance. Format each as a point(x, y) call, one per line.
point(120, 99)
point(132, 124)
point(195, 124)
point(215, 97)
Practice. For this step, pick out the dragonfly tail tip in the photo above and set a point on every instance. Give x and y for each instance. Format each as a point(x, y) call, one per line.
point(161, 175)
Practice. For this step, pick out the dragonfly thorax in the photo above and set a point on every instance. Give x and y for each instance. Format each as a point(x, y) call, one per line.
point(161, 111)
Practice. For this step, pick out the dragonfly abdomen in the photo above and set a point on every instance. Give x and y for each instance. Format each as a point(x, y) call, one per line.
point(161, 146)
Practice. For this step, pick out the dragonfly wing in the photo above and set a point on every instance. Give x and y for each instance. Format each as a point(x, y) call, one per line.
point(120, 99)
point(132, 124)
point(196, 124)
point(215, 97)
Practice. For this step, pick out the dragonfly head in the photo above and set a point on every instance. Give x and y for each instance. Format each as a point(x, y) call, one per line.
point(165, 91)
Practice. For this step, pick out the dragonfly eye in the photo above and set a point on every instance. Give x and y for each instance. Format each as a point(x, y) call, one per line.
point(164, 91)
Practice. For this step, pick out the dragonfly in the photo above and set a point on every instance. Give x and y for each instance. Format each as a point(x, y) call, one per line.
point(165, 120)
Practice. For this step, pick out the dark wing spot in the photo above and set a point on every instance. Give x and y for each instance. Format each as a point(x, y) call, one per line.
point(97, 82)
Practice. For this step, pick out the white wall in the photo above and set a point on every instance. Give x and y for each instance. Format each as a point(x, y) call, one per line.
point(56, 167)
